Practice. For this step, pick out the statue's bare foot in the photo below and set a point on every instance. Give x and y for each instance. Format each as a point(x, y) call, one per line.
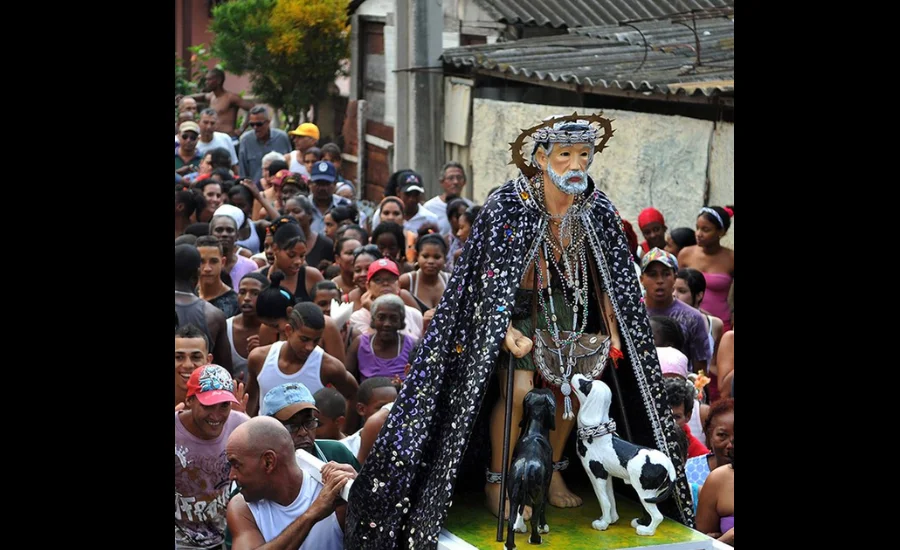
point(492, 501)
point(560, 495)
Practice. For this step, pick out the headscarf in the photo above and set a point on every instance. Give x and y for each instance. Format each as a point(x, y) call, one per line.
point(232, 212)
point(650, 215)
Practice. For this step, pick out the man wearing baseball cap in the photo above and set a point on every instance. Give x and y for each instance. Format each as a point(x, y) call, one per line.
point(383, 278)
point(304, 137)
point(322, 185)
point(294, 406)
point(187, 159)
point(411, 191)
point(201, 470)
point(658, 269)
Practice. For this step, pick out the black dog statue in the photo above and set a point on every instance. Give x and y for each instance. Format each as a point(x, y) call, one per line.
point(528, 481)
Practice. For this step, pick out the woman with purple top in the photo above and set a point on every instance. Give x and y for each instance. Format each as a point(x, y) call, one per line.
point(386, 352)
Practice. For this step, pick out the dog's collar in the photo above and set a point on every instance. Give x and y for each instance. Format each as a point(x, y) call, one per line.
point(597, 431)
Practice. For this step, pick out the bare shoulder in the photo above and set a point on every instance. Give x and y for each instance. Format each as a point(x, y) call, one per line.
point(258, 356)
point(727, 338)
point(404, 281)
point(686, 254)
point(719, 475)
point(314, 274)
point(332, 364)
point(213, 313)
point(354, 342)
point(241, 523)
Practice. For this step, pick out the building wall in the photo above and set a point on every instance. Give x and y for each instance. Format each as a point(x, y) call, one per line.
point(201, 35)
point(651, 160)
point(376, 82)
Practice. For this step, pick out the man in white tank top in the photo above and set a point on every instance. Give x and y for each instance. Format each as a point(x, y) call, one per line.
point(278, 502)
point(299, 359)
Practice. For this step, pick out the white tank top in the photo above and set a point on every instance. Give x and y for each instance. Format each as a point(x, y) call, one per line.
point(238, 363)
point(297, 165)
point(309, 374)
point(273, 518)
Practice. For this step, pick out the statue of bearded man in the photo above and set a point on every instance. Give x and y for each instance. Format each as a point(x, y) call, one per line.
point(545, 288)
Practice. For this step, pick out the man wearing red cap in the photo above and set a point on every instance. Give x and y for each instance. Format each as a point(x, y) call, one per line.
point(201, 470)
point(653, 226)
point(384, 278)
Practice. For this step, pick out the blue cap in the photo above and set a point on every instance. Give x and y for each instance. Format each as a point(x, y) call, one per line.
point(286, 400)
point(323, 171)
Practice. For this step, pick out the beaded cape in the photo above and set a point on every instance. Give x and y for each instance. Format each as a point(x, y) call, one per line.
point(402, 496)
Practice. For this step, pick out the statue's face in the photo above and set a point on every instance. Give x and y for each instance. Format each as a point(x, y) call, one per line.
point(567, 165)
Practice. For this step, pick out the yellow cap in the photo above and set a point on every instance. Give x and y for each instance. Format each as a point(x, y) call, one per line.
point(307, 129)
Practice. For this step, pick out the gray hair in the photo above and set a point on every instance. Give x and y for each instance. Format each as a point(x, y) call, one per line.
point(260, 110)
point(387, 300)
point(452, 164)
point(269, 157)
point(209, 111)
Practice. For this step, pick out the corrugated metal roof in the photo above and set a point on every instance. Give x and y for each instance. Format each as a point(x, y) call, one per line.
point(614, 57)
point(579, 13)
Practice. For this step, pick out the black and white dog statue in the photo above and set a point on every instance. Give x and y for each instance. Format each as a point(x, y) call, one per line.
point(528, 480)
point(602, 454)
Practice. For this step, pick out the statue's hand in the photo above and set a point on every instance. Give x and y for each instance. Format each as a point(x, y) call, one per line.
point(517, 343)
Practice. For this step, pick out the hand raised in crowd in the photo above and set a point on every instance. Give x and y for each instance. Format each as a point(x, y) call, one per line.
point(240, 396)
point(248, 183)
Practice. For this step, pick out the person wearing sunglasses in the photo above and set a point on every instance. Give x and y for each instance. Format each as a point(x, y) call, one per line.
point(187, 158)
point(259, 140)
point(294, 406)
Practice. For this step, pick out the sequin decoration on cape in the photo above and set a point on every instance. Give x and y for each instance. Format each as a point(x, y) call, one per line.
point(403, 493)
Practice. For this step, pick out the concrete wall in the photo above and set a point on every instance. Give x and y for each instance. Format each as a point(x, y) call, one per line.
point(651, 160)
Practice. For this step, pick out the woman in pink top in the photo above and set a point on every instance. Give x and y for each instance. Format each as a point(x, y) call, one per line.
point(715, 261)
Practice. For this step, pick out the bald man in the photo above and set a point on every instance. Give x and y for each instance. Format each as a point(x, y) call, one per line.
point(279, 505)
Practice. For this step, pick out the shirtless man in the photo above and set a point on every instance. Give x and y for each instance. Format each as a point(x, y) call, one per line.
point(298, 358)
point(224, 102)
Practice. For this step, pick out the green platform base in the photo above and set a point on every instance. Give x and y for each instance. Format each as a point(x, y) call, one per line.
point(570, 528)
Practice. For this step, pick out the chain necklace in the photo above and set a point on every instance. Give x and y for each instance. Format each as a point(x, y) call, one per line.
point(571, 247)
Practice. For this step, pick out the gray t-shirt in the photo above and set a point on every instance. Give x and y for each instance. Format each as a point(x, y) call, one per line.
point(252, 151)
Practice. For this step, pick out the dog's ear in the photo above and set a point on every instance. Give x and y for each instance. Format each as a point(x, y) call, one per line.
point(585, 386)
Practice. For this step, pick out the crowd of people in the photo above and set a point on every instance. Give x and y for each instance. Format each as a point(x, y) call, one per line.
point(299, 308)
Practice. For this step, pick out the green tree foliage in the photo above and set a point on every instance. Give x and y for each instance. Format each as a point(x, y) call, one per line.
point(292, 49)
